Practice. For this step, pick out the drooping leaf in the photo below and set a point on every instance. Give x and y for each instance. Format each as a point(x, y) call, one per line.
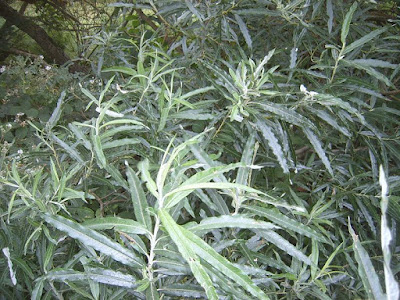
point(366, 270)
point(284, 245)
point(125, 225)
point(234, 221)
point(185, 248)
point(138, 199)
point(285, 222)
point(93, 239)
point(318, 148)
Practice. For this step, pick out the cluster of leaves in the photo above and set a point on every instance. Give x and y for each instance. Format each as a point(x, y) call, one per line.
point(232, 153)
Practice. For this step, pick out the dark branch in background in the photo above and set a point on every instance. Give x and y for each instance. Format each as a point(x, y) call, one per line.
point(52, 51)
point(5, 30)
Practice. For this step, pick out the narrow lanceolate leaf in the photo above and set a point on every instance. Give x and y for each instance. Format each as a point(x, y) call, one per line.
point(284, 245)
point(371, 71)
point(6, 252)
point(55, 116)
point(207, 253)
point(138, 199)
point(244, 31)
point(247, 159)
point(323, 115)
point(228, 221)
point(200, 177)
point(96, 274)
point(125, 225)
point(365, 39)
point(287, 115)
point(329, 12)
point(71, 151)
point(207, 185)
point(392, 287)
point(274, 144)
point(93, 239)
point(185, 248)
point(285, 222)
point(99, 151)
point(366, 270)
point(318, 148)
point(347, 22)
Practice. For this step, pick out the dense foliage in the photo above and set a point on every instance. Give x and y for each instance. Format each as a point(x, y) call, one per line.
point(221, 150)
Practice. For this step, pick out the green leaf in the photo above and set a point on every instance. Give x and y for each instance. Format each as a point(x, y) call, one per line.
point(318, 148)
point(287, 115)
point(93, 239)
point(55, 116)
point(200, 177)
point(392, 286)
point(71, 151)
point(105, 276)
point(284, 245)
point(207, 185)
point(347, 22)
point(185, 248)
point(365, 39)
point(274, 144)
point(125, 225)
point(227, 221)
point(124, 70)
point(139, 200)
point(143, 166)
point(243, 174)
point(285, 222)
point(98, 150)
point(183, 236)
point(244, 31)
point(366, 270)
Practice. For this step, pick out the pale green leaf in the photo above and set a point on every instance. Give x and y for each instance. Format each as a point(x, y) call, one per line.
point(286, 114)
point(283, 221)
point(318, 148)
point(365, 39)
point(186, 249)
point(138, 199)
point(94, 239)
point(284, 245)
point(208, 185)
point(274, 144)
point(366, 270)
point(230, 221)
point(125, 225)
point(347, 22)
point(244, 31)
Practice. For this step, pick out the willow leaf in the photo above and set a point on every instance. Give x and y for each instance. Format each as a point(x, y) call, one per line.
point(207, 253)
point(206, 185)
point(244, 31)
point(366, 270)
point(228, 221)
point(365, 39)
point(318, 148)
point(185, 248)
point(200, 177)
point(247, 158)
point(125, 225)
point(285, 222)
point(274, 144)
point(284, 245)
point(347, 22)
point(287, 115)
point(138, 199)
point(93, 239)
